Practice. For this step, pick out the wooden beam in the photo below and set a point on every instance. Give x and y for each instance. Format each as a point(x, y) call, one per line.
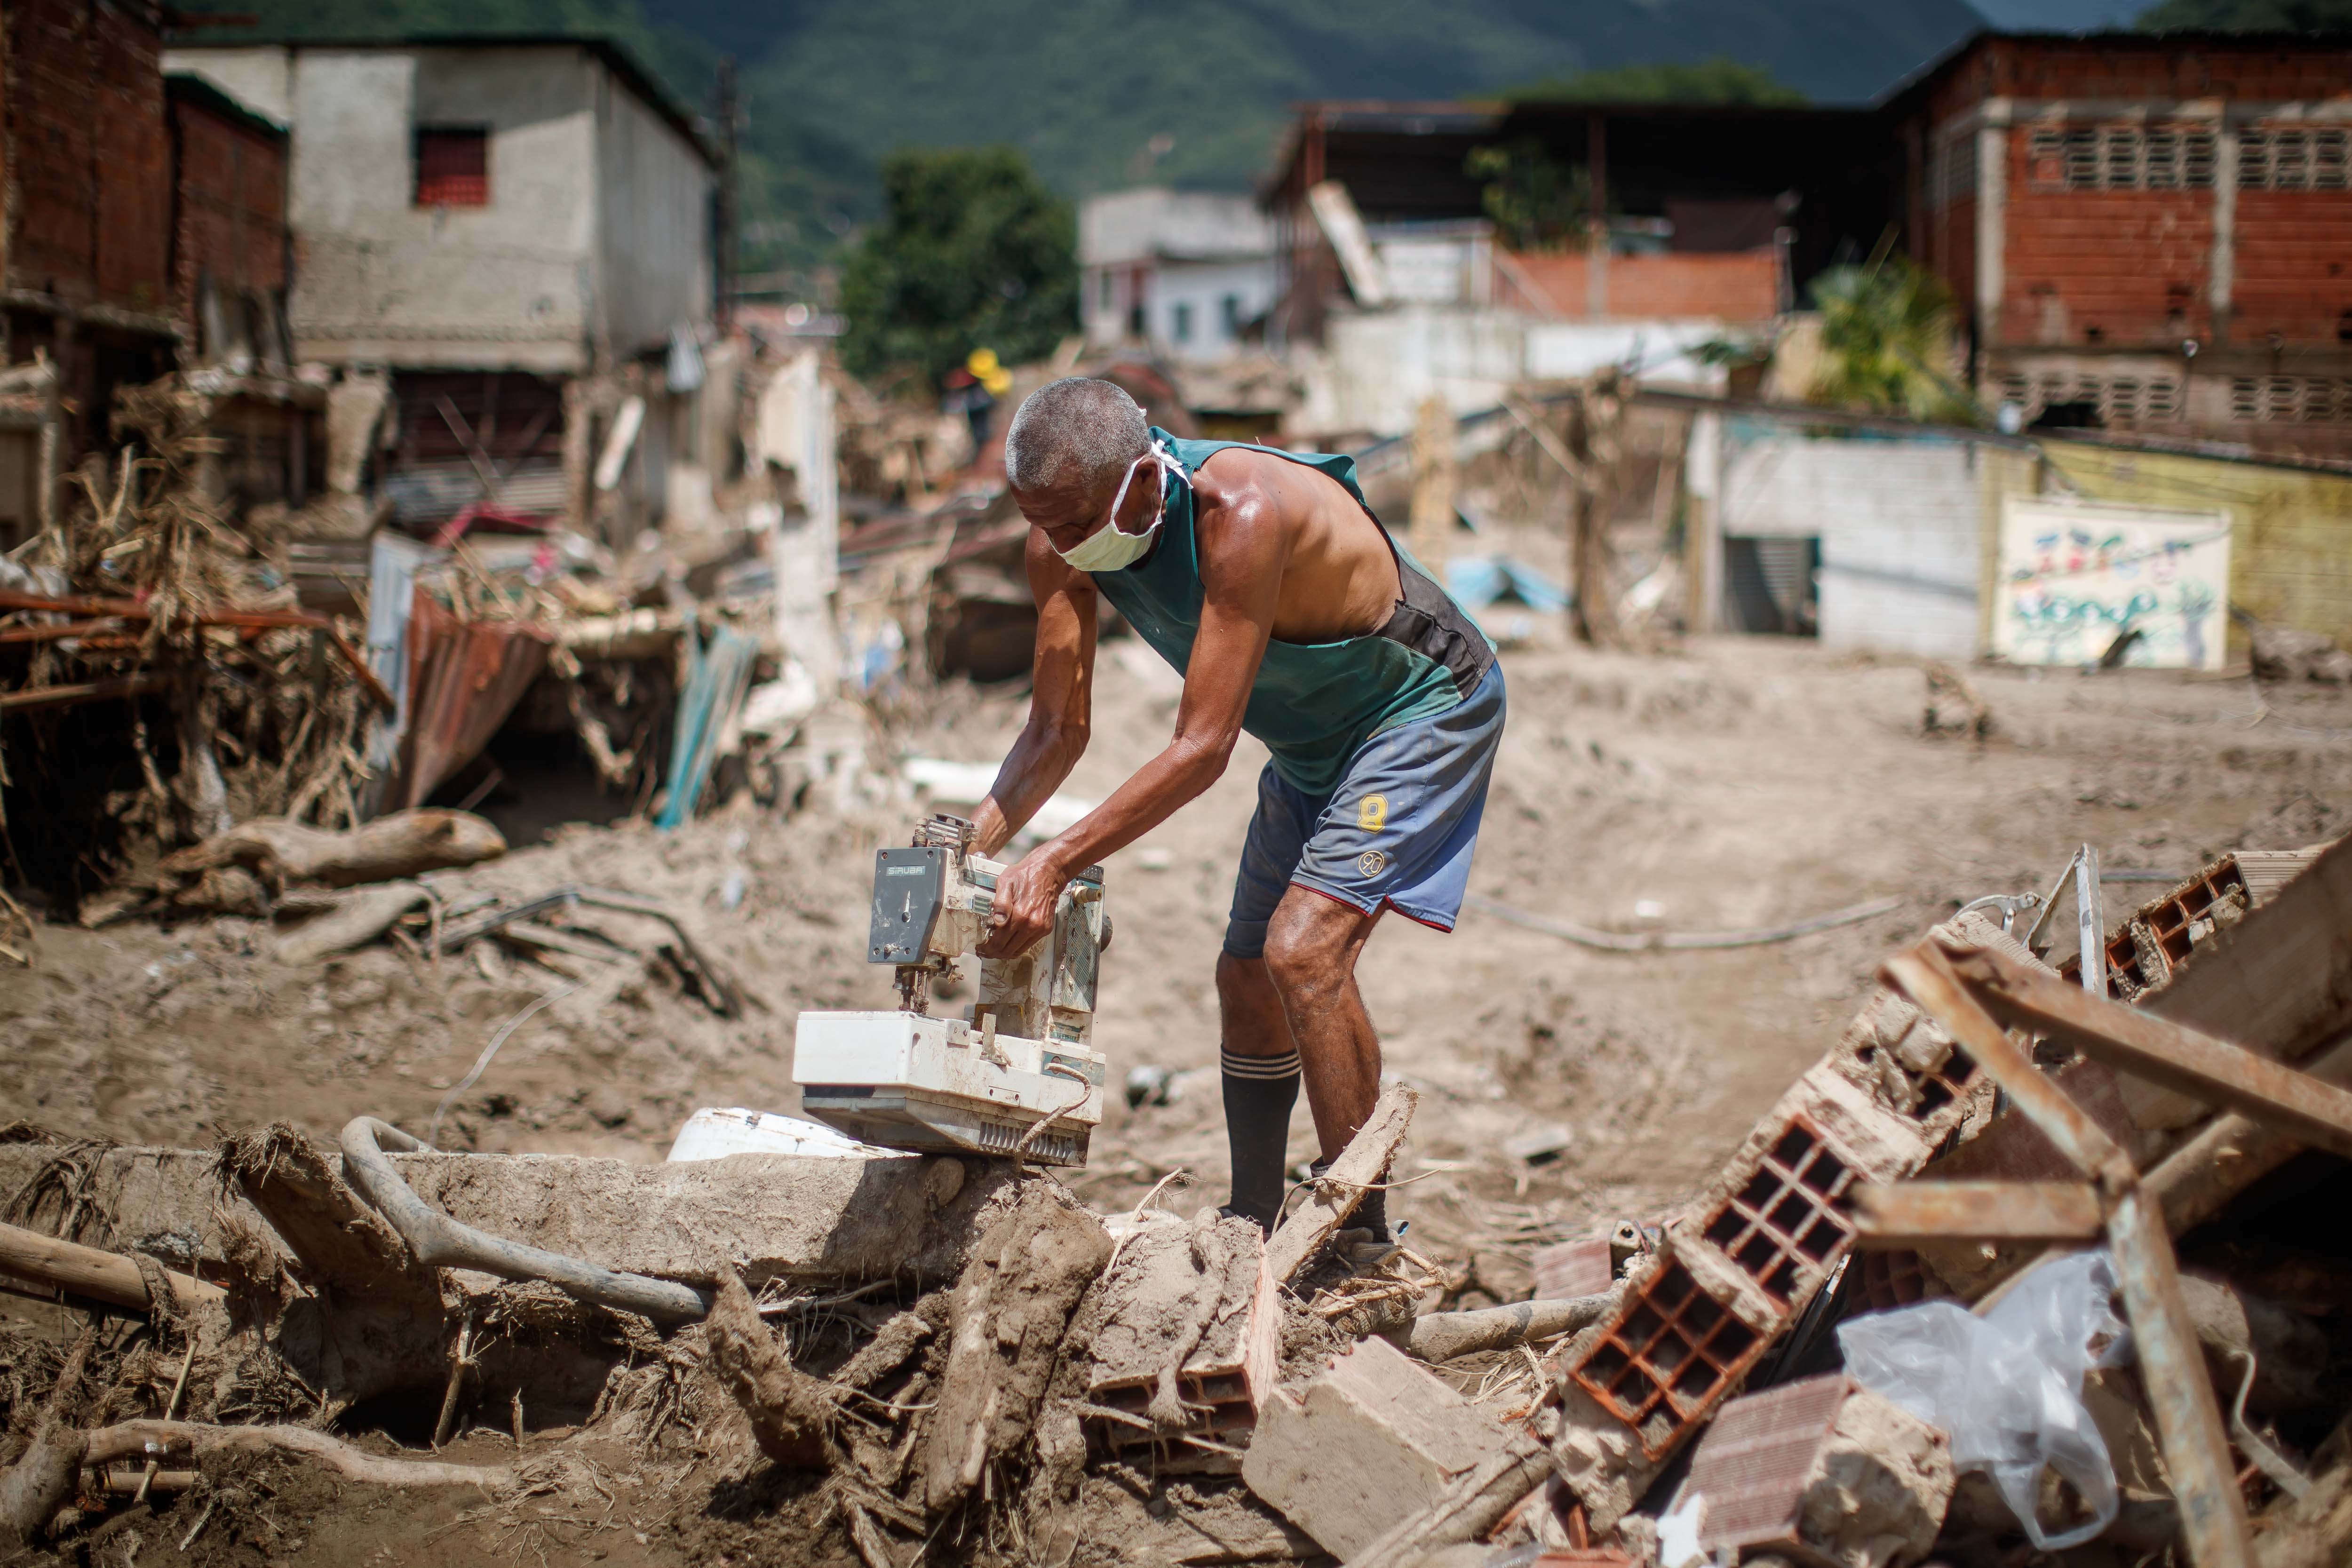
point(1905, 1214)
point(2159, 1050)
point(1364, 1162)
point(102, 1275)
point(82, 691)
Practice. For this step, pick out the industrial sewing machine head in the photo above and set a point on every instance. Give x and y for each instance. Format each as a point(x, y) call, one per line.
point(1016, 1074)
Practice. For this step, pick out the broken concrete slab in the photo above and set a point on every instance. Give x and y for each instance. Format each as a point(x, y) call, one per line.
point(1364, 1446)
point(158, 1202)
point(775, 1216)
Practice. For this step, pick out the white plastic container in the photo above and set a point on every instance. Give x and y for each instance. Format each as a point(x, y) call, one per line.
point(713, 1133)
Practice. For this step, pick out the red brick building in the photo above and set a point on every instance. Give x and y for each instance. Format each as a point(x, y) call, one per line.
point(84, 243)
point(143, 229)
point(230, 244)
point(2145, 232)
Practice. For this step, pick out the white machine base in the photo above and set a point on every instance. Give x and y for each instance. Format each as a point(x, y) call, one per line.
point(937, 1085)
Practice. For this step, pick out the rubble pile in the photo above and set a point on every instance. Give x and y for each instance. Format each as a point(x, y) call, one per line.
point(2014, 1268)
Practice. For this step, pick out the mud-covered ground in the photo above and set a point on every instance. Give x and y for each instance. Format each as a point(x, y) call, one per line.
point(1735, 784)
point(1738, 783)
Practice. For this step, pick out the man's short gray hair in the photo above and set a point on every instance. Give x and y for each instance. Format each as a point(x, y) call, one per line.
point(1077, 430)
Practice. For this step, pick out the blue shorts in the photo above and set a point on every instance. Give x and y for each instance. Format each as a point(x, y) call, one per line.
point(1397, 833)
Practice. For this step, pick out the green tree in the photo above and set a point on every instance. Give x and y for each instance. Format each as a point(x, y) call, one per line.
point(1886, 335)
point(2248, 16)
point(1535, 201)
point(972, 252)
point(1718, 78)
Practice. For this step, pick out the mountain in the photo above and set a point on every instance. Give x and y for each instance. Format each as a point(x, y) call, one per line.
point(1102, 93)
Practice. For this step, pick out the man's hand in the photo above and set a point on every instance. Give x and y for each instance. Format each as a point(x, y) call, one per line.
point(1026, 895)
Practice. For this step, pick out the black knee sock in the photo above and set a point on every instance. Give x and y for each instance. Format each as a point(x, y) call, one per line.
point(1259, 1094)
point(1371, 1210)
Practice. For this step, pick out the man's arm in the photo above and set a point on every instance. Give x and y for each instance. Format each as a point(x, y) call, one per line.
point(1244, 549)
point(1061, 699)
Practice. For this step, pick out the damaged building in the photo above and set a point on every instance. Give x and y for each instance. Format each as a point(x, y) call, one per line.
point(144, 234)
point(508, 272)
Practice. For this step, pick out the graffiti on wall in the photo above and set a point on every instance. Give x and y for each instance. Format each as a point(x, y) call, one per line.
point(2074, 577)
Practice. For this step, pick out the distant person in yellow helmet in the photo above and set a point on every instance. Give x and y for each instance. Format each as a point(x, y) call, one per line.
point(974, 391)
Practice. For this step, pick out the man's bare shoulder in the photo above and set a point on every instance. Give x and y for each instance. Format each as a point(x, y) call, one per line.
point(1254, 478)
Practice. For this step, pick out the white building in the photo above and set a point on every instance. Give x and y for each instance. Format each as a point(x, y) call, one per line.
point(1183, 271)
point(515, 239)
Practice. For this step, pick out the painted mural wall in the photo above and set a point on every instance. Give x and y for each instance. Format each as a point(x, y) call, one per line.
point(2073, 576)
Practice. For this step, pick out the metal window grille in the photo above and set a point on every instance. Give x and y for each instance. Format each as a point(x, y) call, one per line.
point(2274, 158)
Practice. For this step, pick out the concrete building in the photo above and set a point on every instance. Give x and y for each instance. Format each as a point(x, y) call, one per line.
point(1715, 217)
point(1187, 273)
point(509, 244)
point(2147, 232)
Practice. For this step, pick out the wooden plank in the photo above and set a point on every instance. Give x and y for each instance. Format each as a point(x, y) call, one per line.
point(83, 691)
point(2161, 1051)
point(1363, 1162)
point(2279, 983)
point(1905, 1214)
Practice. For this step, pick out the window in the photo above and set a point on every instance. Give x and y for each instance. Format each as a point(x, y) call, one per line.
point(453, 167)
point(1952, 171)
point(1182, 330)
point(2279, 399)
point(1229, 310)
point(2294, 160)
point(2121, 396)
point(2121, 158)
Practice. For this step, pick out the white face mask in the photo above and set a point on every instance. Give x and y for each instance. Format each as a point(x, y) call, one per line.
point(1108, 548)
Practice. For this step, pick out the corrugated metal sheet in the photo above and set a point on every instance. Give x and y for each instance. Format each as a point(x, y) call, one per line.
point(464, 678)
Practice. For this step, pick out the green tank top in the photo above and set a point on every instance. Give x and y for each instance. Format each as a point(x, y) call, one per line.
point(1312, 703)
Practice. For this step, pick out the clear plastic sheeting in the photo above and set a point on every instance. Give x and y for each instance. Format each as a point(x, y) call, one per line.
point(2007, 1388)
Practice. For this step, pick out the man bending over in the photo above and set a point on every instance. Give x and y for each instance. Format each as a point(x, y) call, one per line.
point(1264, 577)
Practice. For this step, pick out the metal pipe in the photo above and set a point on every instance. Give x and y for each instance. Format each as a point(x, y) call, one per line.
point(2090, 921)
point(438, 1241)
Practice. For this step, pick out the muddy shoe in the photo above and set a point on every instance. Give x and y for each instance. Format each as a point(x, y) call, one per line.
point(1363, 1251)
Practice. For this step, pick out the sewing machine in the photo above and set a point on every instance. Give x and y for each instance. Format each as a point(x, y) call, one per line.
point(1016, 1074)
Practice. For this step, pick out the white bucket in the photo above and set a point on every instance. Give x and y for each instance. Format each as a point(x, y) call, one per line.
point(713, 1133)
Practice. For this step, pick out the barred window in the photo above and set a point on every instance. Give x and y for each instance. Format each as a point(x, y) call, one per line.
point(1952, 173)
point(2272, 158)
point(2128, 398)
point(2290, 399)
point(2121, 158)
